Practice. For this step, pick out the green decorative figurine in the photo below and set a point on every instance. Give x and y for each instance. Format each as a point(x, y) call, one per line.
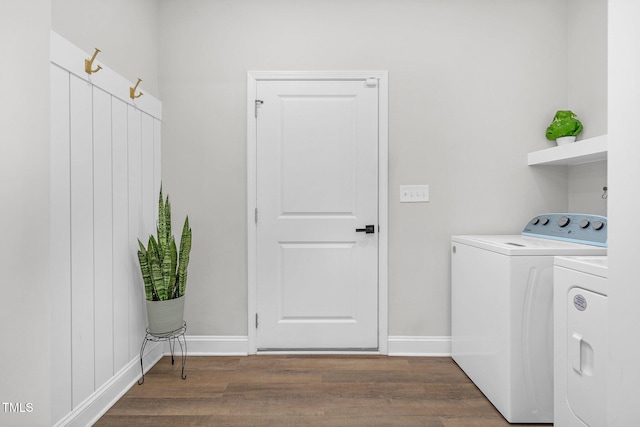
point(565, 123)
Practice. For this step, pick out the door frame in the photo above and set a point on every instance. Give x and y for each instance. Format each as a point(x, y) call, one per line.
point(253, 77)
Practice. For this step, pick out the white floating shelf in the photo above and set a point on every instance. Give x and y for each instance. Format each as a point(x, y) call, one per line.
point(575, 153)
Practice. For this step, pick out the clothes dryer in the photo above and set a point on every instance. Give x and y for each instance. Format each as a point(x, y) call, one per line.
point(580, 341)
point(502, 308)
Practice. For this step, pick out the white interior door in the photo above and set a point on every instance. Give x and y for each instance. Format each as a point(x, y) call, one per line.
point(317, 183)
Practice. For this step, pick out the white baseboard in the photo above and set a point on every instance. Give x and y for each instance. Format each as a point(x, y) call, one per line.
point(436, 346)
point(202, 345)
point(89, 411)
point(207, 345)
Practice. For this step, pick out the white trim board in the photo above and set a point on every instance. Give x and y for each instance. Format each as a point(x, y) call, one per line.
point(206, 345)
point(227, 345)
point(383, 183)
point(434, 346)
point(65, 55)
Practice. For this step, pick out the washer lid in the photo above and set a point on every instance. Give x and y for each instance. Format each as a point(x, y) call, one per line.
point(519, 245)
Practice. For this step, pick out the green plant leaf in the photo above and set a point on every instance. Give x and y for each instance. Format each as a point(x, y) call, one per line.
point(174, 271)
point(162, 225)
point(152, 247)
point(169, 269)
point(167, 219)
point(158, 290)
point(185, 250)
point(146, 273)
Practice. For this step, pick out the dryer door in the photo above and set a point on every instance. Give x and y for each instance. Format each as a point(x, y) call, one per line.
point(587, 354)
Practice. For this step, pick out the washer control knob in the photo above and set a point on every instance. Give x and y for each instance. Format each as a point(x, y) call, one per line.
point(584, 223)
point(535, 221)
point(563, 221)
point(544, 221)
point(598, 225)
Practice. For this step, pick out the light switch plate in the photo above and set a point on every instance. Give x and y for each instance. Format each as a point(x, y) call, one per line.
point(414, 193)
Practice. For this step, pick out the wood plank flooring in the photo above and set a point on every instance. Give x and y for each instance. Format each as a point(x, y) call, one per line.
point(301, 390)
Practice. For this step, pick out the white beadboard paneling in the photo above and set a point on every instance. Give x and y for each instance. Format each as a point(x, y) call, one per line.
point(105, 163)
point(103, 236)
point(157, 156)
point(149, 198)
point(60, 246)
point(137, 309)
point(82, 292)
point(121, 243)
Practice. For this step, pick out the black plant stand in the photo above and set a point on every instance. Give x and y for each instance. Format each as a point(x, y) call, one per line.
point(167, 336)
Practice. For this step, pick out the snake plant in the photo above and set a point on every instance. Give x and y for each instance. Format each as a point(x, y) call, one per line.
point(163, 268)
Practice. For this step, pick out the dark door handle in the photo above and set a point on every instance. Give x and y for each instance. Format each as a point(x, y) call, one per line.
point(369, 229)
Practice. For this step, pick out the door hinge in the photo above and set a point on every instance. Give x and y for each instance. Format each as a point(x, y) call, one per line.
point(257, 102)
point(256, 215)
point(371, 82)
point(256, 320)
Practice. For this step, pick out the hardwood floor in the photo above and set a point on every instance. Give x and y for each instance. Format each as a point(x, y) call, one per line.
point(327, 390)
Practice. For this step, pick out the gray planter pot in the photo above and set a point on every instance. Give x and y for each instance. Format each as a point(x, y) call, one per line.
point(165, 316)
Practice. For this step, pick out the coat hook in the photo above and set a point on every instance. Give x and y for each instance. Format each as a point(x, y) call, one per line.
point(605, 191)
point(88, 64)
point(132, 90)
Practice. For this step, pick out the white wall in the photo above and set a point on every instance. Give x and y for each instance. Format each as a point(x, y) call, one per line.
point(472, 88)
point(24, 189)
point(587, 97)
point(464, 75)
point(624, 210)
point(125, 31)
point(587, 64)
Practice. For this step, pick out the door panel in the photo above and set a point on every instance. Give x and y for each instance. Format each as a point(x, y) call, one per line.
point(311, 148)
point(317, 181)
point(316, 281)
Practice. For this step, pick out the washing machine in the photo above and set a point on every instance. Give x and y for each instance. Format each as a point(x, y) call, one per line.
point(580, 341)
point(502, 308)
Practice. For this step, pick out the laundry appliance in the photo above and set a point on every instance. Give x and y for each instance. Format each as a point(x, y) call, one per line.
point(580, 341)
point(502, 308)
